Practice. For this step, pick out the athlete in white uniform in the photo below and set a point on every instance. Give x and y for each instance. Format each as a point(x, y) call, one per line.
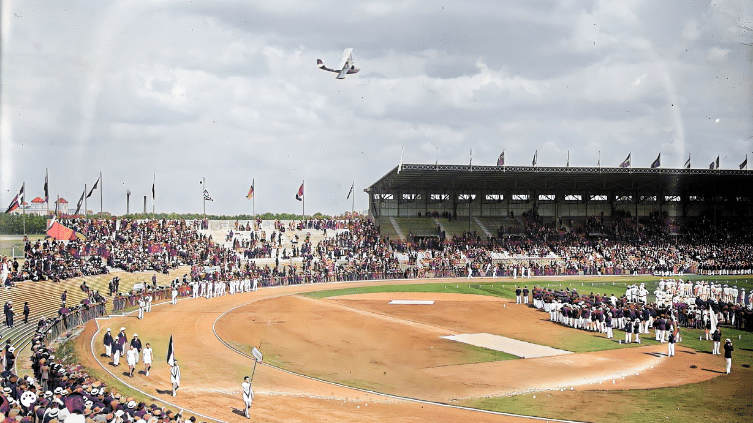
point(148, 355)
point(131, 355)
point(248, 395)
point(175, 376)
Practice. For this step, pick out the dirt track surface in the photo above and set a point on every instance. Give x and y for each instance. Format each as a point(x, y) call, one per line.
point(365, 342)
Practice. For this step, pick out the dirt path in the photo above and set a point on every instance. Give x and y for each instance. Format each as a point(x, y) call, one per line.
point(303, 333)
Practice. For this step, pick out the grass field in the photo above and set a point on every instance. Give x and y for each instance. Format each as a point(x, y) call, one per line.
point(724, 398)
point(8, 242)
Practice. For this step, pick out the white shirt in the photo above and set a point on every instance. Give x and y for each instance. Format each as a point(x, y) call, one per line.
point(131, 355)
point(248, 393)
point(147, 355)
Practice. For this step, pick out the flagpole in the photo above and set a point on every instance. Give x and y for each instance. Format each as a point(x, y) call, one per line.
point(154, 181)
point(101, 190)
point(204, 197)
point(86, 197)
point(253, 199)
point(303, 203)
point(46, 192)
point(353, 201)
point(23, 210)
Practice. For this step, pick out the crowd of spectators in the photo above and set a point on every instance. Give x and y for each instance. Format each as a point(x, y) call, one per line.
point(353, 249)
point(57, 392)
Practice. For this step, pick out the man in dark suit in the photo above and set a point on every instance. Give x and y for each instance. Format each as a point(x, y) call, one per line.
point(728, 348)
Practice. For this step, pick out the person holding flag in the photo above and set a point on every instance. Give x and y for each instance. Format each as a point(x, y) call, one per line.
point(174, 369)
point(248, 395)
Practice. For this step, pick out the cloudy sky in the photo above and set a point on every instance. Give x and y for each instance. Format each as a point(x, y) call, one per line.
point(229, 91)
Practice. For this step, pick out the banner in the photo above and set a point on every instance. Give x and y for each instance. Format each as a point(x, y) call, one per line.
point(299, 195)
point(170, 353)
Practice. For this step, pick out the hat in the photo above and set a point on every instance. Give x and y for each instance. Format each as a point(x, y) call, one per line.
point(122, 328)
point(95, 391)
point(131, 404)
point(119, 413)
point(135, 335)
point(108, 329)
point(728, 340)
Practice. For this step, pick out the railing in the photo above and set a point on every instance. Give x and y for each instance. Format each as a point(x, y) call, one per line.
point(76, 317)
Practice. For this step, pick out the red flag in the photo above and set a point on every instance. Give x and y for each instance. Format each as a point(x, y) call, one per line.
point(19, 198)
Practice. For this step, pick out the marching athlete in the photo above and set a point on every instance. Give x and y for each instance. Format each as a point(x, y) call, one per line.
point(248, 395)
point(148, 355)
point(175, 376)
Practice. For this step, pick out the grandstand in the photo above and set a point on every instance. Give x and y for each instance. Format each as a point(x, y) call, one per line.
point(490, 200)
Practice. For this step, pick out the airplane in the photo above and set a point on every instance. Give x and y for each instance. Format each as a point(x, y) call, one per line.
point(346, 65)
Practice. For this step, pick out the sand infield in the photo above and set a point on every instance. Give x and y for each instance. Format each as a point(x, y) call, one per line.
point(363, 341)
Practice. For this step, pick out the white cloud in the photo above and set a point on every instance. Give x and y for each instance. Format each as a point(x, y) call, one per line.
point(230, 91)
point(716, 54)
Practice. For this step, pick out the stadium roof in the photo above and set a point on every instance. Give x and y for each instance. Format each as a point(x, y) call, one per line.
point(441, 178)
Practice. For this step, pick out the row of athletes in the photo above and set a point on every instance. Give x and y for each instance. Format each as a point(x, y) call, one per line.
point(218, 288)
point(568, 308)
point(686, 291)
point(600, 313)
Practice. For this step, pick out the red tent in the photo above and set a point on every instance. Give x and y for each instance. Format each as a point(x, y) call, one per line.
point(60, 232)
point(38, 200)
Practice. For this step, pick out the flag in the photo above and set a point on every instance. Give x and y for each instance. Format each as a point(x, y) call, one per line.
point(17, 200)
point(711, 166)
point(657, 162)
point(54, 216)
point(46, 190)
point(250, 194)
point(257, 354)
point(717, 162)
point(153, 191)
point(501, 159)
point(207, 197)
point(568, 158)
point(299, 195)
point(744, 164)
point(687, 164)
point(536, 153)
point(81, 201)
point(170, 353)
point(351, 191)
point(470, 163)
point(93, 188)
point(399, 167)
point(626, 162)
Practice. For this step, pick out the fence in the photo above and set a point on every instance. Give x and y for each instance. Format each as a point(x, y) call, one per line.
point(75, 318)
